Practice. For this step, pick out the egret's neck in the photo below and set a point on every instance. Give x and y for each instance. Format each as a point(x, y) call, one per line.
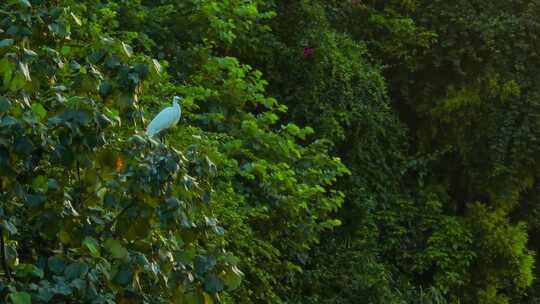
point(176, 105)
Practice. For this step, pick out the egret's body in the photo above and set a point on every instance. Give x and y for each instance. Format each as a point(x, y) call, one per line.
point(167, 118)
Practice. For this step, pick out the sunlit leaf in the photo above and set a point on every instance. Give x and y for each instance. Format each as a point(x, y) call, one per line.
point(39, 110)
point(92, 245)
point(157, 66)
point(23, 66)
point(20, 298)
point(232, 278)
point(40, 183)
point(76, 19)
point(127, 49)
point(28, 270)
point(116, 249)
point(25, 3)
point(17, 82)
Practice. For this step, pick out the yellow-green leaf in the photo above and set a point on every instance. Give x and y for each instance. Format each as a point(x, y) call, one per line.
point(116, 249)
point(20, 298)
point(127, 49)
point(39, 110)
point(76, 19)
point(92, 245)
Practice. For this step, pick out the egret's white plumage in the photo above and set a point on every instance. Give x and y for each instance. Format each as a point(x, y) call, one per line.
point(167, 118)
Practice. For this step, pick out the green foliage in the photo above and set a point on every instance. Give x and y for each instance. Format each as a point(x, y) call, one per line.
point(61, 136)
point(506, 262)
point(328, 151)
point(96, 212)
point(469, 108)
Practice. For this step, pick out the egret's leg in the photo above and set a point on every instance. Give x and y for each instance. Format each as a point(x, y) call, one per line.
point(164, 138)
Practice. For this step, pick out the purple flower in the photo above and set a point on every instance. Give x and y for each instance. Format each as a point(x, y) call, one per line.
point(308, 52)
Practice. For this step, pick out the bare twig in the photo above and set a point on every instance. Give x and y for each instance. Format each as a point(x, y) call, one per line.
point(113, 222)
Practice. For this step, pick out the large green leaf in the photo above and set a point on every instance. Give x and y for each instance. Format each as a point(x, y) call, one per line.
point(232, 278)
point(28, 270)
point(40, 183)
point(17, 82)
point(75, 271)
point(116, 249)
point(20, 298)
point(124, 275)
point(203, 264)
point(193, 298)
point(56, 264)
point(6, 42)
point(92, 245)
point(35, 200)
point(4, 104)
point(39, 110)
point(213, 284)
point(25, 3)
point(23, 145)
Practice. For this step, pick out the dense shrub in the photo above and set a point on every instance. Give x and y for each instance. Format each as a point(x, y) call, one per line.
point(328, 151)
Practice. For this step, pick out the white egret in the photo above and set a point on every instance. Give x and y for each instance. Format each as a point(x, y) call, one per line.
point(167, 118)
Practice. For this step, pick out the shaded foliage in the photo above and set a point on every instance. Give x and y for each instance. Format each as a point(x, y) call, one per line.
point(95, 212)
point(328, 152)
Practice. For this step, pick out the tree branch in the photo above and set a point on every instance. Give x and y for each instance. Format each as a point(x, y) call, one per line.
point(115, 219)
point(80, 184)
point(7, 271)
